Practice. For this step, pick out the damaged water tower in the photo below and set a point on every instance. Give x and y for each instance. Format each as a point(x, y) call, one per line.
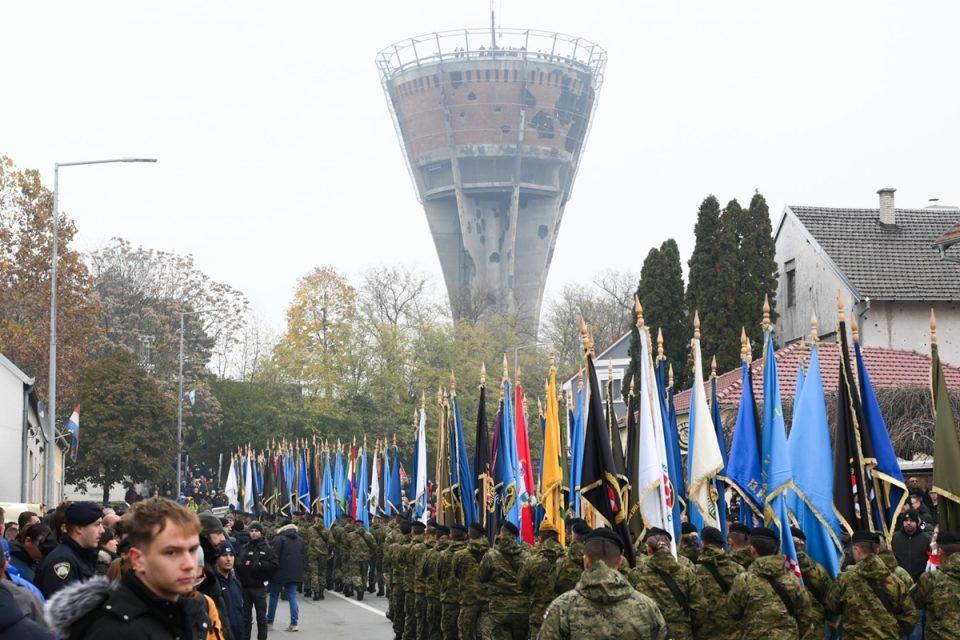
point(493, 125)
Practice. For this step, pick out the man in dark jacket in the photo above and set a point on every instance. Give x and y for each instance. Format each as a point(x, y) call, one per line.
point(291, 554)
point(911, 544)
point(15, 625)
point(27, 552)
point(75, 558)
point(212, 535)
point(230, 587)
point(152, 601)
point(255, 567)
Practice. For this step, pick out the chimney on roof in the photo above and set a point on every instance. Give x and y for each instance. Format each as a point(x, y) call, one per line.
point(888, 215)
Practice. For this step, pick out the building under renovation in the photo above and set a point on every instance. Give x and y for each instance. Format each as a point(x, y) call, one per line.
point(493, 125)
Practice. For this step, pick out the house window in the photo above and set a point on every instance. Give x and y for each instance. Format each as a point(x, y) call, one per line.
point(791, 270)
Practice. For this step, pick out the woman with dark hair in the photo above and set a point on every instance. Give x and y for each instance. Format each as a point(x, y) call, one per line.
point(107, 550)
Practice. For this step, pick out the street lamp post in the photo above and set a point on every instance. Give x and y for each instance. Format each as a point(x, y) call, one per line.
point(516, 352)
point(183, 314)
point(51, 497)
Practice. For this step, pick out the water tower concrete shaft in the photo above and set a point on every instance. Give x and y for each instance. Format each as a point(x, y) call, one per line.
point(493, 127)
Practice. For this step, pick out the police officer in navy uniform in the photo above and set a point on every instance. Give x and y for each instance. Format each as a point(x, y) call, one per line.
point(75, 558)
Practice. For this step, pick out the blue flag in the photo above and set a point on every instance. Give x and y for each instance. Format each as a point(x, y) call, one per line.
point(508, 477)
point(303, 493)
point(363, 492)
point(811, 498)
point(460, 467)
point(775, 458)
point(743, 464)
point(339, 483)
point(671, 436)
point(394, 495)
point(576, 457)
point(891, 490)
point(326, 493)
point(718, 482)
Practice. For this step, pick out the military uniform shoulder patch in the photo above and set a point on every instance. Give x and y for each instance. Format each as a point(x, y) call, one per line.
point(61, 570)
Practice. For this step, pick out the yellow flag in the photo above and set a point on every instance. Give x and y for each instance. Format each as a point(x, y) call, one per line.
point(552, 482)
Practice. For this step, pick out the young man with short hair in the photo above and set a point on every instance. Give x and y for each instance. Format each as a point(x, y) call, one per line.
point(230, 587)
point(153, 599)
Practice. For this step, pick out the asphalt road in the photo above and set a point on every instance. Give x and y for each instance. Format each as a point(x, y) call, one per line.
point(336, 617)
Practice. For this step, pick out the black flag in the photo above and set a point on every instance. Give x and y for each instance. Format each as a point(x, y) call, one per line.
point(599, 485)
point(852, 490)
point(483, 465)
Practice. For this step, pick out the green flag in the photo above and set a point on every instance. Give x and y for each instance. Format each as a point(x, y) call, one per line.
point(946, 452)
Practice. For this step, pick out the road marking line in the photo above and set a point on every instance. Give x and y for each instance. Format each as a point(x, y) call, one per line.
point(359, 604)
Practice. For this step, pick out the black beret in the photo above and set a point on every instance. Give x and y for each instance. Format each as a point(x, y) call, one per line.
point(476, 526)
point(948, 537)
point(419, 526)
point(657, 531)
point(866, 536)
point(83, 513)
point(443, 530)
point(405, 526)
point(686, 528)
point(607, 535)
point(764, 532)
point(580, 528)
point(570, 521)
point(798, 533)
point(432, 523)
point(458, 527)
point(738, 527)
point(510, 527)
point(712, 535)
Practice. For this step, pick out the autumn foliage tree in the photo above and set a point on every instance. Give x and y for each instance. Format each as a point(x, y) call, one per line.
point(128, 426)
point(26, 244)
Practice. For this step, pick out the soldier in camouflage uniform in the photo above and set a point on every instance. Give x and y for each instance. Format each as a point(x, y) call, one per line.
point(379, 532)
point(420, 579)
point(309, 556)
point(672, 585)
point(361, 548)
point(450, 583)
point(567, 571)
point(818, 583)
point(716, 572)
point(767, 600)
point(603, 605)
point(499, 569)
point(396, 568)
point(336, 555)
point(738, 538)
point(408, 557)
point(536, 575)
point(322, 543)
point(689, 546)
point(431, 569)
point(871, 600)
point(473, 593)
point(938, 592)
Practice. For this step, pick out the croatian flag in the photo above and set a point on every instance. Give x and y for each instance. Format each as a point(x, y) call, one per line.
point(73, 424)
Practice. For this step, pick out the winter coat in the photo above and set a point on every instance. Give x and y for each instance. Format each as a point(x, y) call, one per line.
point(684, 617)
point(14, 625)
point(911, 551)
point(67, 563)
point(97, 610)
point(290, 551)
point(865, 615)
point(500, 570)
point(20, 559)
point(233, 603)
point(757, 605)
point(256, 563)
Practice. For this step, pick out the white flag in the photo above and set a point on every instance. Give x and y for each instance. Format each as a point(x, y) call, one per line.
point(374, 486)
point(654, 493)
point(231, 487)
point(703, 449)
point(421, 488)
point(248, 488)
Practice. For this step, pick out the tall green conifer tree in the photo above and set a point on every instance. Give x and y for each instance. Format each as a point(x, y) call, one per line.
point(758, 265)
point(715, 281)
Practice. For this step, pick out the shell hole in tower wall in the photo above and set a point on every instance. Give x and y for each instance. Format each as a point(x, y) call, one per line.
point(542, 231)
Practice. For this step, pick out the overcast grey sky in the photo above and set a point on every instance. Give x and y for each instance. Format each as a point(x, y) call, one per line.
point(277, 152)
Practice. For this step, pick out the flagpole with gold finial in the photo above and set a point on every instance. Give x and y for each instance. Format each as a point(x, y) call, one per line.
point(713, 368)
point(744, 346)
point(814, 332)
point(933, 327)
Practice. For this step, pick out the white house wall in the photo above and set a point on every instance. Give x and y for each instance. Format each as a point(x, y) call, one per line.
point(906, 325)
point(11, 421)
